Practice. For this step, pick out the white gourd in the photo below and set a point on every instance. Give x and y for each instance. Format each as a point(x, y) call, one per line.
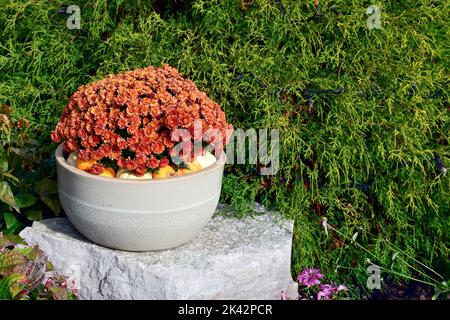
point(125, 174)
point(208, 159)
point(72, 159)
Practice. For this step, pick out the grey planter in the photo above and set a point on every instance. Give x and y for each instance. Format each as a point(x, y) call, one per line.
point(138, 215)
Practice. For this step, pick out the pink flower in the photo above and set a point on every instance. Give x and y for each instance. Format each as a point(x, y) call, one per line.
point(341, 287)
point(49, 282)
point(310, 277)
point(328, 290)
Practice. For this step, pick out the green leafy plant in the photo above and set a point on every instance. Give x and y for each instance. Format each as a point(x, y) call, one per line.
point(23, 275)
point(27, 189)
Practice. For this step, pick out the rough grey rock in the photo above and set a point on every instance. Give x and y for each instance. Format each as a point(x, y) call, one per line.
point(230, 259)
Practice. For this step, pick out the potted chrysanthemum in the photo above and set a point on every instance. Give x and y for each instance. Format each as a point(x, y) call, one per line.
point(133, 173)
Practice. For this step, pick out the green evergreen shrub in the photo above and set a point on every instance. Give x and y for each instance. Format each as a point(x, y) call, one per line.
point(363, 114)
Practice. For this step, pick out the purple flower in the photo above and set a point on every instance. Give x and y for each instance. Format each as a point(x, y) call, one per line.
point(328, 290)
point(310, 277)
point(325, 292)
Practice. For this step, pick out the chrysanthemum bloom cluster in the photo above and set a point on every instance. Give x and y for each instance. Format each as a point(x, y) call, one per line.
point(129, 118)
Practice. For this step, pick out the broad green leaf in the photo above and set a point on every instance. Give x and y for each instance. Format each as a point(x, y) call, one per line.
point(24, 251)
point(5, 284)
point(46, 187)
point(50, 266)
point(59, 293)
point(10, 220)
point(53, 203)
point(4, 290)
point(16, 285)
point(24, 200)
point(9, 259)
point(7, 196)
point(34, 254)
point(4, 241)
point(33, 214)
point(15, 229)
point(15, 238)
point(4, 165)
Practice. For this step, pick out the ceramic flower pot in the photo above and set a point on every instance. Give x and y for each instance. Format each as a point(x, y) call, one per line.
point(138, 215)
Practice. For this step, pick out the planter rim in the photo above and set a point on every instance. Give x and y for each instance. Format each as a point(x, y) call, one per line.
point(218, 165)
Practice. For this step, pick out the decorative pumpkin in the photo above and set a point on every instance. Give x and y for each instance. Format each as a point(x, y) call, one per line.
point(108, 172)
point(125, 174)
point(165, 172)
point(85, 165)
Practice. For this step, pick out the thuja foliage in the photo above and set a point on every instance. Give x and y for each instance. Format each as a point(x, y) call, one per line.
point(363, 113)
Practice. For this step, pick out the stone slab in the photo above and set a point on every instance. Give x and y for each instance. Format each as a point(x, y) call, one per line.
point(231, 259)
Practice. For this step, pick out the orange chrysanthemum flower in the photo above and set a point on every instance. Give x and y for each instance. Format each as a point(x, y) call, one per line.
point(128, 118)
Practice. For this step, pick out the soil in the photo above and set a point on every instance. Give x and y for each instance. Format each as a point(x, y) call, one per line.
point(403, 291)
